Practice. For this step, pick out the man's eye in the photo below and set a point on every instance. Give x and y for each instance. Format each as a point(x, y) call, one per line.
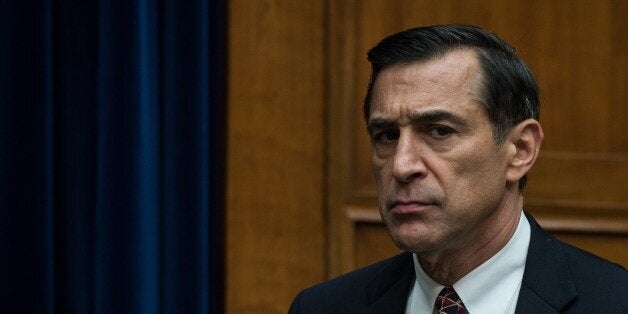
point(440, 131)
point(386, 136)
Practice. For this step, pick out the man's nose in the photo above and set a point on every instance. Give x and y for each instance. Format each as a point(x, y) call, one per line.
point(408, 160)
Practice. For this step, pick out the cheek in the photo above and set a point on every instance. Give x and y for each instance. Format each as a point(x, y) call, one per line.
point(474, 155)
point(474, 170)
point(382, 177)
point(479, 186)
point(378, 167)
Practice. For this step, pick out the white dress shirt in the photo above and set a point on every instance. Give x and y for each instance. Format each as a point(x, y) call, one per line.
point(492, 287)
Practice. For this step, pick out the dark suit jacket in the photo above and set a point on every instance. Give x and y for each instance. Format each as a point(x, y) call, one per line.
point(558, 278)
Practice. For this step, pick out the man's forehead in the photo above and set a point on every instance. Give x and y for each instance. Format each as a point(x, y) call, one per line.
point(439, 84)
point(451, 67)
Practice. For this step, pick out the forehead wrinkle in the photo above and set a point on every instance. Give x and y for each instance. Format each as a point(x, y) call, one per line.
point(457, 72)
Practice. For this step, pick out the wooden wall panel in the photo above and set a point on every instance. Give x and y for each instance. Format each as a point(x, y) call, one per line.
point(579, 187)
point(275, 211)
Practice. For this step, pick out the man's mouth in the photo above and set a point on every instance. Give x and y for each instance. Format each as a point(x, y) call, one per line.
point(408, 207)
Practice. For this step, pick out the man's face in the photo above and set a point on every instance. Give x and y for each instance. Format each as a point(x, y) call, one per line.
point(440, 176)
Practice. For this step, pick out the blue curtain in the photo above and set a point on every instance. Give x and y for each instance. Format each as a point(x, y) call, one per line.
point(111, 156)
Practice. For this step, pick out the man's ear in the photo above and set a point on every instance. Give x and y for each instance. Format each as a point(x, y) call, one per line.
point(526, 137)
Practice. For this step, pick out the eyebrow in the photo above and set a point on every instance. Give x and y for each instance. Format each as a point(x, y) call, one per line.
point(378, 123)
point(416, 118)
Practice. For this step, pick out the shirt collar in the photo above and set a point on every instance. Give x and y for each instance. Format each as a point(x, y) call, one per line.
point(428, 288)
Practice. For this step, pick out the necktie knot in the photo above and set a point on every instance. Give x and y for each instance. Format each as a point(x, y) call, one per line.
point(448, 302)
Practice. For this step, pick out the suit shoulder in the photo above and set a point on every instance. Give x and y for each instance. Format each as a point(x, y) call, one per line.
point(591, 268)
point(358, 278)
point(589, 271)
point(596, 279)
point(348, 291)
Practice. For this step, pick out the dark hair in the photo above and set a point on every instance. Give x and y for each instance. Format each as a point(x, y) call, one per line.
point(509, 91)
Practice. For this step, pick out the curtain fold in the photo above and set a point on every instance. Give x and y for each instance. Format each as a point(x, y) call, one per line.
point(112, 151)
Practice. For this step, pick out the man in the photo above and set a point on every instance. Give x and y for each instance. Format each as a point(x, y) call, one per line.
point(453, 114)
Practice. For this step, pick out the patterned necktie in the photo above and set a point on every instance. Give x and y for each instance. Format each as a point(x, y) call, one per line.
point(448, 302)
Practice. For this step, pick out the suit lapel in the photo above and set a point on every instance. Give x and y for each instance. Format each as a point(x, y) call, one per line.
point(388, 292)
point(547, 285)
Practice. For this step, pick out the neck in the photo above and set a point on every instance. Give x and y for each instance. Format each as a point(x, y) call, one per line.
point(448, 267)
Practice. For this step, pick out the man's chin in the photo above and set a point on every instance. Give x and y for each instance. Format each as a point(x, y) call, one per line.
point(413, 238)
